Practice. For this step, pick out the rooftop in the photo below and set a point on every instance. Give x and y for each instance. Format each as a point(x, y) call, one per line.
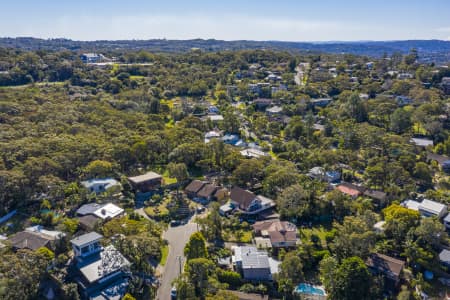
point(251, 257)
point(432, 206)
point(108, 211)
point(104, 263)
point(194, 186)
point(444, 256)
point(207, 191)
point(390, 266)
point(86, 239)
point(422, 142)
point(29, 240)
point(88, 209)
point(145, 177)
point(243, 197)
point(107, 182)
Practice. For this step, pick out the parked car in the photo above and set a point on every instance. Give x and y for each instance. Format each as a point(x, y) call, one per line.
point(173, 293)
point(174, 223)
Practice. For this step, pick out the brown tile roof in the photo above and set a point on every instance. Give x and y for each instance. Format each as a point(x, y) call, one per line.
point(28, 240)
point(242, 197)
point(387, 265)
point(89, 221)
point(378, 195)
point(278, 231)
point(221, 192)
point(207, 191)
point(194, 186)
point(350, 189)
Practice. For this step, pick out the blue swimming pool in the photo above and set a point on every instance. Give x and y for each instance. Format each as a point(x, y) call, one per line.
point(306, 288)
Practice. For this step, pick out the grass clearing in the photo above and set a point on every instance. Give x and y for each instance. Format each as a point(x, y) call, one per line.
point(158, 211)
point(306, 233)
point(167, 179)
point(164, 254)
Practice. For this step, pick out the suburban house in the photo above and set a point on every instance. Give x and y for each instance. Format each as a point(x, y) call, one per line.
point(100, 272)
point(274, 111)
point(319, 173)
point(253, 153)
point(91, 214)
point(36, 237)
point(193, 188)
point(230, 139)
point(403, 101)
point(279, 234)
point(147, 182)
point(419, 142)
point(249, 203)
point(252, 263)
point(445, 84)
point(262, 103)
point(391, 268)
point(100, 185)
point(444, 258)
point(427, 208)
point(379, 196)
point(102, 211)
point(206, 193)
point(405, 75)
point(92, 57)
point(351, 189)
point(214, 134)
point(215, 118)
point(442, 160)
point(321, 102)
point(447, 221)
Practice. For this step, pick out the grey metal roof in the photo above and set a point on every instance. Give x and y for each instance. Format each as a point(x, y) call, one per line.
point(447, 218)
point(86, 238)
point(254, 259)
point(444, 256)
point(88, 209)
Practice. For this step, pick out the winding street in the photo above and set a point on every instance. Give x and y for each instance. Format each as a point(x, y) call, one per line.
point(177, 237)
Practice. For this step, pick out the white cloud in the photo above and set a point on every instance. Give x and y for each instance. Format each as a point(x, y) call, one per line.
point(187, 26)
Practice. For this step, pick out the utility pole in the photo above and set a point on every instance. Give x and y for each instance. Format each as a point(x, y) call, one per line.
point(179, 262)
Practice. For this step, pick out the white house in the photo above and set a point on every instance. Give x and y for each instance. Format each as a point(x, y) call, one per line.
point(100, 185)
point(427, 208)
point(101, 271)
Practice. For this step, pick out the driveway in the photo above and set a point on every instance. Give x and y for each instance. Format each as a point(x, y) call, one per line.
point(177, 237)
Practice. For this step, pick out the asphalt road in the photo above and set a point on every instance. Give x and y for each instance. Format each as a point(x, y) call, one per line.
point(177, 237)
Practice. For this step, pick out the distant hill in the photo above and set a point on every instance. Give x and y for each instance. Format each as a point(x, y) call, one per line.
point(429, 50)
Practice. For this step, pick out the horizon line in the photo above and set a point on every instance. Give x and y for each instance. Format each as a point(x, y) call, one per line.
point(223, 40)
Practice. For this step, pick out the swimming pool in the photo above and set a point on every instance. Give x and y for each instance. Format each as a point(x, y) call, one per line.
point(306, 288)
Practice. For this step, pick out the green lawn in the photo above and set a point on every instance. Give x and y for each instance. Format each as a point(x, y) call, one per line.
point(164, 254)
point(305, 234)
point(160, 210)
point(246, 237)
point(168, 180)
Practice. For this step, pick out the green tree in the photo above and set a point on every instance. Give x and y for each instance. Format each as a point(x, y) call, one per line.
point(98, 168)
point(400, 121)
point(199, 271)
point(399, 220)
point(291, 268)
point(351, 280)
point(196, 247)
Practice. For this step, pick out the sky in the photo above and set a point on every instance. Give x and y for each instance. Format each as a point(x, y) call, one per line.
point(282, 20)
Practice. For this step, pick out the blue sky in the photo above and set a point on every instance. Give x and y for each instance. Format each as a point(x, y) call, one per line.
point(287, 20)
